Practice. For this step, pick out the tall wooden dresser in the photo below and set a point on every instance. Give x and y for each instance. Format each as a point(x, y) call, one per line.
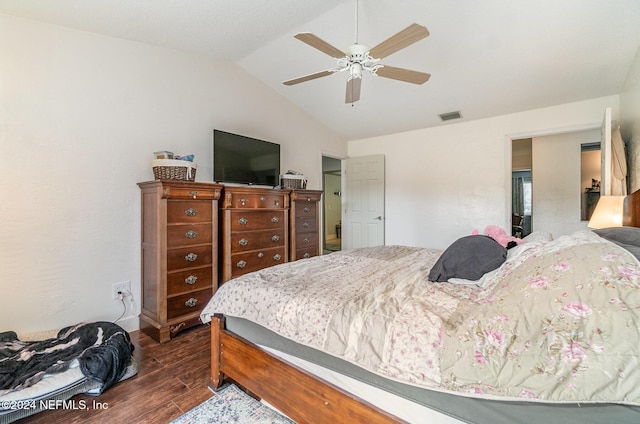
point(179, 254)
point(304, 227)
point(254, 229)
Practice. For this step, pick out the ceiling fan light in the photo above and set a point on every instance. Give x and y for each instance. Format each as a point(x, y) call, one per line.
point(356, 70)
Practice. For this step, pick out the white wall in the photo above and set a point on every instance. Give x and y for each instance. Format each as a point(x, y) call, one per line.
point(444, 182)
point(80, 117)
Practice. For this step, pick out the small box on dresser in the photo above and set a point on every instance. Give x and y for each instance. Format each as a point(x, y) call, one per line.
point(305, 224)
point(254, 230)
point(179, 254)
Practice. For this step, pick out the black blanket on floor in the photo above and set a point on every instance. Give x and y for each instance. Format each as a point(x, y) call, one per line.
point(102, 348)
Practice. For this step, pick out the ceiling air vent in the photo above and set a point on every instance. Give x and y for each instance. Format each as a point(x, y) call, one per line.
point(450, 115)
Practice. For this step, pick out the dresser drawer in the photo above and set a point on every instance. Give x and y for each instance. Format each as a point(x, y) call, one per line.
point(183, 281)
point(305, 225)
point(188, 257)
point(243, 263)
point(190, 191)
point(189, 234)
point(179, 211)
point(255, 200)
point(306, 240)
point(188, 303)
point(256, 220)
point(242, 241)
point(306, 211)
point(306, 196)
point(307, 252)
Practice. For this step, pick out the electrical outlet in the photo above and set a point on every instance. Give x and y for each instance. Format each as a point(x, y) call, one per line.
point(123, 287)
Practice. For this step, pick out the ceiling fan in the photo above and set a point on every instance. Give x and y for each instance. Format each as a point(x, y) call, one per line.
point(357, 58)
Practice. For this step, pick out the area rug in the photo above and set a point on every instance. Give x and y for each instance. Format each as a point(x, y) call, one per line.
point(232, 405)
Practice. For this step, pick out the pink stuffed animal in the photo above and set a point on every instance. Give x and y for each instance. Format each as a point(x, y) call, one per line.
point(499, 235)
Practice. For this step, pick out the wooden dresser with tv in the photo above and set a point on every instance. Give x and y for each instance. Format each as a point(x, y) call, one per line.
point(197, 235)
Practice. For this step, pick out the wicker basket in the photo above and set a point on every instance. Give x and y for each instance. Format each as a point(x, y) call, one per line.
point(171, 169)
point(292, 182)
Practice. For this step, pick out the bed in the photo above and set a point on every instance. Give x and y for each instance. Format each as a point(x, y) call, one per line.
point(43, 374)
point(552, 334)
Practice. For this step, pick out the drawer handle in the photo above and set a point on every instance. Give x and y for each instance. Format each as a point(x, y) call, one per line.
point(191, 257)
point(306, 241)
point(241, 264)
point(191, 212)
point(308, 199)
point(242, 221)
point(191, 302)
point(277, 257)
point(306, 255)
point(243, 242)
point(261, 255)
point(306, 210)
point(194, 194)
point(243, 202)
point(275, 237)
point(192, 279)
point(262, 198)
point(275, 219)
point(191, 234)
point(175, 328)
point(305, 225)
point(276, 202)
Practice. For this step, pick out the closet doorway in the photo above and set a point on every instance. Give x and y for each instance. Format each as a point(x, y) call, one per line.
point(332, 203)
point(521, 187)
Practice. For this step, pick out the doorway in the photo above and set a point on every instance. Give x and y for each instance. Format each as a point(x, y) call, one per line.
point(521, 187)
point(332, 204)
point(590, 171)
point(555, 165)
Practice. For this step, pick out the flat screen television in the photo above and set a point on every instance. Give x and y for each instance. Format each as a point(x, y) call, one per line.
point(245, 160)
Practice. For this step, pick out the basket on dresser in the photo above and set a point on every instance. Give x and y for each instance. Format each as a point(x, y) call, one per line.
point(173, 169)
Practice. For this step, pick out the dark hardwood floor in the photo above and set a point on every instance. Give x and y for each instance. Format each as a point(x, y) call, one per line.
point(172, 378)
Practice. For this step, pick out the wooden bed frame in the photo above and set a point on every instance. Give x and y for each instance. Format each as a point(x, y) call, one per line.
point(298, 394)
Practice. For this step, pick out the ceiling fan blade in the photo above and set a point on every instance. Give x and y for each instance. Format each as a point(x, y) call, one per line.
point(323, 46)
point(308, 77)
point(402, 74)
point(353, 90)
point(404, 38)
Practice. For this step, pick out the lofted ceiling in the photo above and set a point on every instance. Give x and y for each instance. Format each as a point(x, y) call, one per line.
point(485, 57)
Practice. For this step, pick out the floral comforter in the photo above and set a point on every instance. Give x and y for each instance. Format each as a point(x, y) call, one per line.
point(558, 322)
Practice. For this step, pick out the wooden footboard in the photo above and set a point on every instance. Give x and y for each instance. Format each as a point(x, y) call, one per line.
point(300, 395)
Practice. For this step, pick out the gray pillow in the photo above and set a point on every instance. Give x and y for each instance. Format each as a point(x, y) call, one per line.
point(625, 237)
point(469, 258)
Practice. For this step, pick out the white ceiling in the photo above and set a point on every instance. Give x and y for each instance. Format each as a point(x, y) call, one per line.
point(486, 57)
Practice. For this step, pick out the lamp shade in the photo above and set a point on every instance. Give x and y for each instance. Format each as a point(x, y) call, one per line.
point(608, 212)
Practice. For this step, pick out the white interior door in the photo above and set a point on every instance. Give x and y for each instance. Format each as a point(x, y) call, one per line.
point(363, 202)
point(605, 154)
